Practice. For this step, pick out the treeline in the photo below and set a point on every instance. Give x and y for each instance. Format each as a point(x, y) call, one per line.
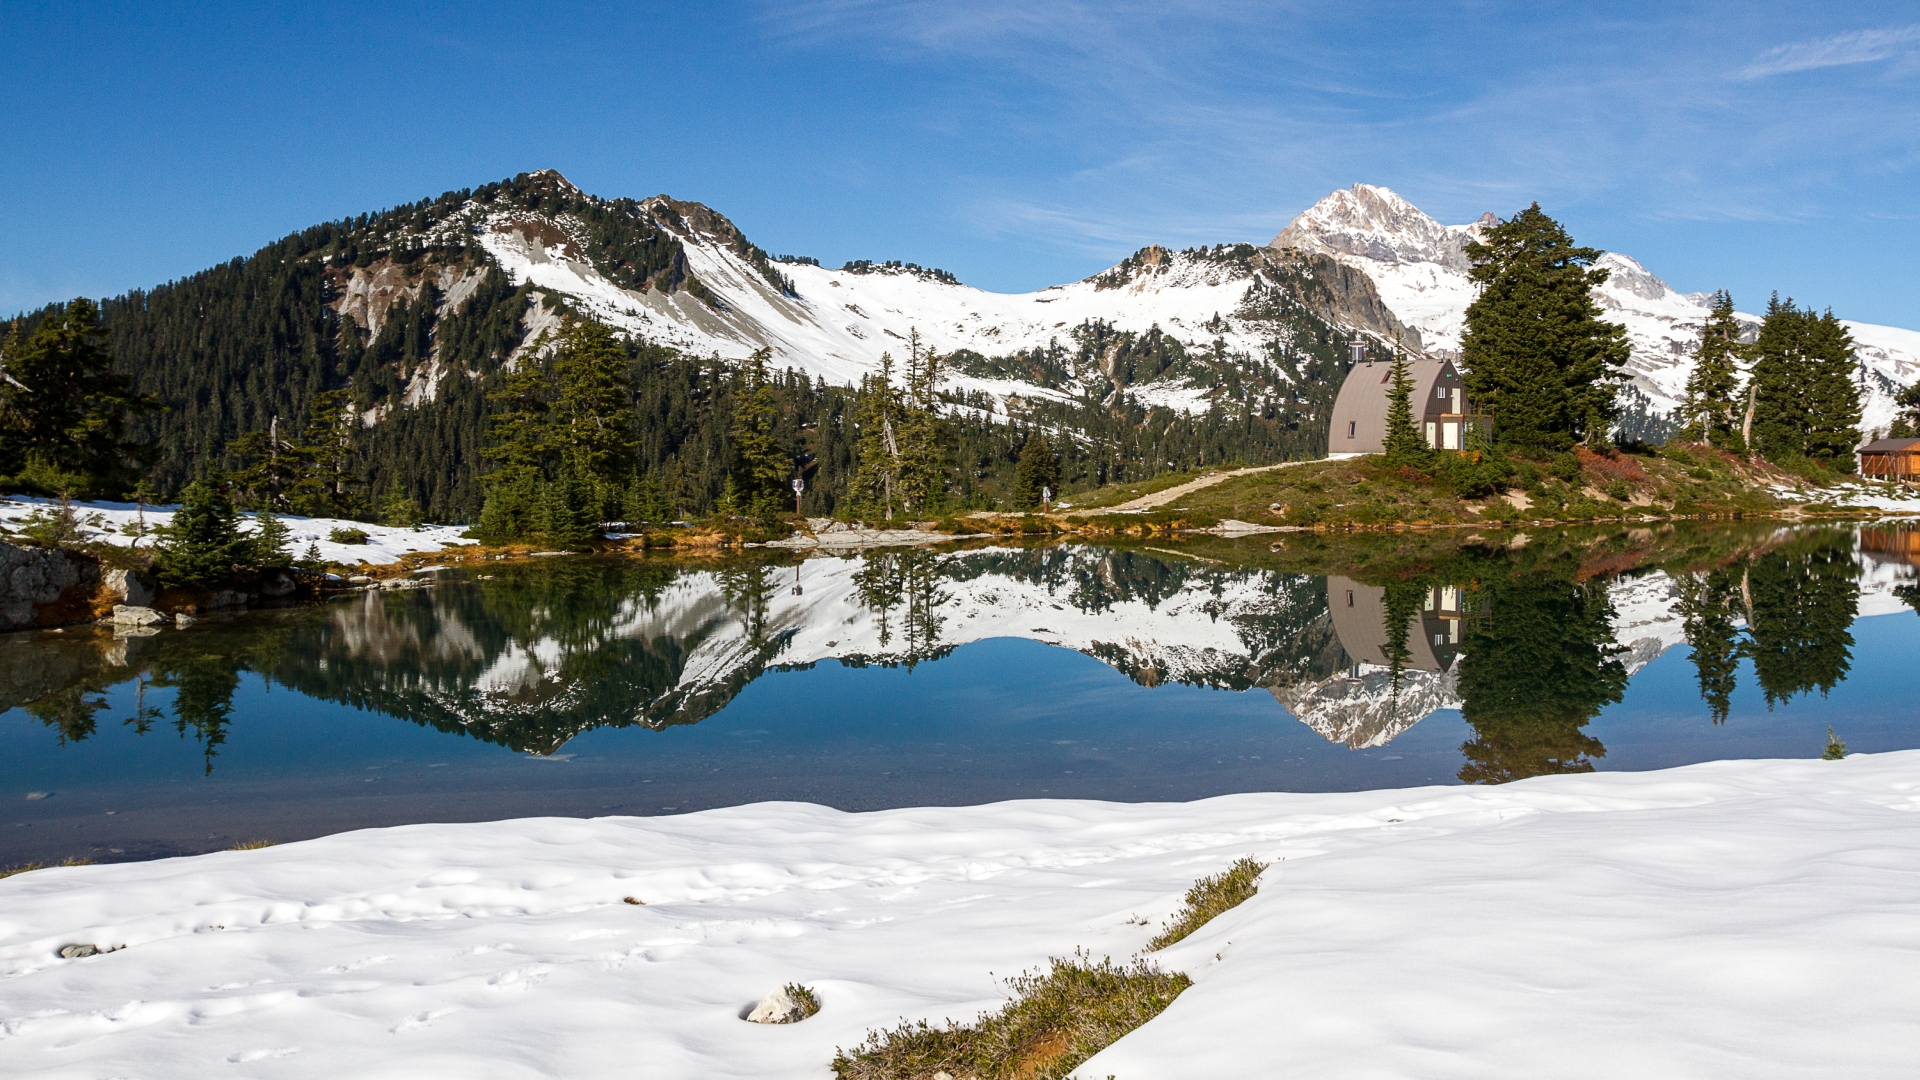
point(1799, 399)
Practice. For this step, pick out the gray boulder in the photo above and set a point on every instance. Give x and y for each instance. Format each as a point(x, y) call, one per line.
point(136, 615)
point(130, 587)
point(31, 577)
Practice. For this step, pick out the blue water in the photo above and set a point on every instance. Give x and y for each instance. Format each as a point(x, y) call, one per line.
point(989, 720)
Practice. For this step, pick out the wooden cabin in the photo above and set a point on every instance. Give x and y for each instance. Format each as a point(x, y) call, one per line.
point(1891, 459)
point(1441, 411)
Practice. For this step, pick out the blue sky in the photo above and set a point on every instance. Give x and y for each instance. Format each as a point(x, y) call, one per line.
point(1751, 146)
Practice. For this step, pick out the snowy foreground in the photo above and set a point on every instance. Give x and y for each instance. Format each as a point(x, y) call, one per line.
point(1748, 919)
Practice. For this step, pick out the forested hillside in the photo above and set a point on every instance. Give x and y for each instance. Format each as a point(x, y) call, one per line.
point(388, 338)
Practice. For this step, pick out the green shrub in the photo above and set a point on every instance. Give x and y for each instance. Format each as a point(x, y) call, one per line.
point(1056, 1020)
point(348, 536)
point(1620, 490)
point(1210, 896)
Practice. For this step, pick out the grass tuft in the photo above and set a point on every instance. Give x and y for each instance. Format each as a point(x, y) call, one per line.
point(9, 871)
point(252, 845)
point(1209, 897)
point(804, 997)
point(1057, 1019)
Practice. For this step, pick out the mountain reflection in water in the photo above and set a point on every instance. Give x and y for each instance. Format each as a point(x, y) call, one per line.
point(1530, 639)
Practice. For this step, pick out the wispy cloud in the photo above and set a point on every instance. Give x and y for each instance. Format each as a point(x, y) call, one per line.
point(1858, 47)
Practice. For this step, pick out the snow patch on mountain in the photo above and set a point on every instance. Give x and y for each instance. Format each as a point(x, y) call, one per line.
point(1419, 267)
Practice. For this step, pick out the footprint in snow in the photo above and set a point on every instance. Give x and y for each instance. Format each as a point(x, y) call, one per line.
point(246, 1056)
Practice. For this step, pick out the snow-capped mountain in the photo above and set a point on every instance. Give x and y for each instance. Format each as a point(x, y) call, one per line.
point(1419, 268)
point(1264, 311)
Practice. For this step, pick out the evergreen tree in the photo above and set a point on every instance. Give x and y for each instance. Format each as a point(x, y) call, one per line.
point(65, 413)
point(1711, 412)
point(1805, 401)
point(923, 458)
point(1404, 446)
point(876, 477)
point(762, 467)
point(1537, 353)
point(204, 544)
point(398, 508)
point(1906, 423)
point(1037, 470)
point(268, 548)
point(327, 458)
point(592, 421)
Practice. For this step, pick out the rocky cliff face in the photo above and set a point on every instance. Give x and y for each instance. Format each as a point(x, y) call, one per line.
point(45, 587)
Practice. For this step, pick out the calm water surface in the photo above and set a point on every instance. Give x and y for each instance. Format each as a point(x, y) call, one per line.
point(583, 687)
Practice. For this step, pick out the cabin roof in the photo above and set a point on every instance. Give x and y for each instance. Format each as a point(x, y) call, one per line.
point(1363, 402)
point(1890, 446)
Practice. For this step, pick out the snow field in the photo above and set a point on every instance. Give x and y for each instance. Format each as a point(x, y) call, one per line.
point(385, 543)
point(1751, 919)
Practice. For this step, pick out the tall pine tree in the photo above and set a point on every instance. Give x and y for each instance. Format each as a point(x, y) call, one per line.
point(1537, 352)
point(1712, 411)
point(65, 411)
point(1805, 401)
point(876, 476)
point(762, 466)
point(1404, 446)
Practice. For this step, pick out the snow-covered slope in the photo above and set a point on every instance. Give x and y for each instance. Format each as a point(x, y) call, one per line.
point(718, 295)
point(1745, 918)
point(1420, 269)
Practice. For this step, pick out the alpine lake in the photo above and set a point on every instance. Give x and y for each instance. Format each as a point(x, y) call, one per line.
point(1156, 670)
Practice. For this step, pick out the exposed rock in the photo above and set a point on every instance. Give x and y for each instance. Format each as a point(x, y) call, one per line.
point(183, 620)
point(77, 950)
point(36, 584)
point(777, 1008)
point(130, 587)
point(277, 585)
point(136, 615)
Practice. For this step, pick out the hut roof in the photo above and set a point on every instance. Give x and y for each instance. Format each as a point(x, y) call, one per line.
point(1890, 446)
point(1362, 403)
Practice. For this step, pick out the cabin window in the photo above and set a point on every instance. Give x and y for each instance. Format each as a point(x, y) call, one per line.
point(1349, 597)
point(1351, 424)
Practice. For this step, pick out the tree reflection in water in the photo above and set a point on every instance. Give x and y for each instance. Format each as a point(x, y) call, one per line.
point(1534, 672)
point(529, 656)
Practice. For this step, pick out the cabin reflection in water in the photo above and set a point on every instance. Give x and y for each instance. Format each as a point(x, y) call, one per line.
point(1897, 544)
point(1368, 698)
point(1431, 637)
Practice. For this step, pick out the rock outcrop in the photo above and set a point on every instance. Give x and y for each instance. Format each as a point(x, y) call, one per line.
point(45, 587)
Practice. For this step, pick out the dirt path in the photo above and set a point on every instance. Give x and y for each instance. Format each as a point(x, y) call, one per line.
point(1162, 498)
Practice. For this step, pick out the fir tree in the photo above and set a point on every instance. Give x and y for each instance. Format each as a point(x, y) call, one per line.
point(398, 508)
point(204, 544)
point(65, 412)
point(876, 477)
point(1805, 401)
point(327, 452)
point(762, 467)
point(592, 421)
point(267, 549)
point(1037, 470)
point(1404, 446)
point(1537, 353)
point(1906, 423)
point(923, 459)
point(1711, 412)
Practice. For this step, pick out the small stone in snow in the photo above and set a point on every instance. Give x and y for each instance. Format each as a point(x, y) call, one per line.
point(76, 951)
point(777, 1008)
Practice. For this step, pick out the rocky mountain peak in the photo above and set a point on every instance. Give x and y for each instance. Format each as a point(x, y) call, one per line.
point(1371, 222)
